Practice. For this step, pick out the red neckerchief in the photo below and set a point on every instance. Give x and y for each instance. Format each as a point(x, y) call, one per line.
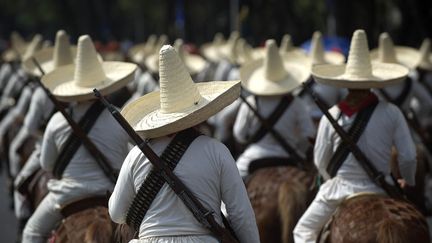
point(349, 111)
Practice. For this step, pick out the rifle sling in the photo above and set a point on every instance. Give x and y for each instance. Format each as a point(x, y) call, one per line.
point(154, 181)
point(274, 117)
point(355, 131)
point(73, 142)
point(399, 100)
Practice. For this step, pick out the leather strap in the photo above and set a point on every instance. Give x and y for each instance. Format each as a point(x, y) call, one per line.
point(74, 142)
point(83, 204)
point(274, 117)
point(399, 100)
point(355, 131)
point(154, 181)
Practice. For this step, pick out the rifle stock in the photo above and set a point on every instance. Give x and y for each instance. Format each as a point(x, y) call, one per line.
point(376, 176)
point(204, 216)
point(100, 159)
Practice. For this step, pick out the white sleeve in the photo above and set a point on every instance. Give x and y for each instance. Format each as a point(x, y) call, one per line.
point(242, 123)
point(124, 190)
point(234, 195)
point(323, 150)
point(49, 150)
point(405, 146)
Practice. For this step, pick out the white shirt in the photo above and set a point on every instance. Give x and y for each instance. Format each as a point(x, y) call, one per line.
point(40, 109)
point(5, 73)
point(83, 177)
point(208, 169)
point(145, 84)
point(18, 110)
point(295, 126)
point(386, 127)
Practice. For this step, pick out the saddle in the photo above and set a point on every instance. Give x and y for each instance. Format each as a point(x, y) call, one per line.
point(83, 204)
point(365, 216)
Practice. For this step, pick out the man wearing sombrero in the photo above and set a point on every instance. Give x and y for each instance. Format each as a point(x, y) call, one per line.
point(82, 176)
point(270, 82)
point(385, 127)
point(206, 166)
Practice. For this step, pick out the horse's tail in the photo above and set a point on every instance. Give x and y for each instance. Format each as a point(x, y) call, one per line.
point(390, 231)
point(100, 231)
point(292, 199)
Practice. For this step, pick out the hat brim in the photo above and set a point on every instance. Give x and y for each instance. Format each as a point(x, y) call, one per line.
point(61, 81)
point(45, 60)
point(383, 74)
point(333, 57)
point(210, 52)
point(146, 118)
point(194, 63)
point(254, 79)
point(152, 63)
point(407, 56)
point(426, 65)
point(10, 55)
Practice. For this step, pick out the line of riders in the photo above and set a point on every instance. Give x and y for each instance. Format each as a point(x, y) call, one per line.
point(305, 148)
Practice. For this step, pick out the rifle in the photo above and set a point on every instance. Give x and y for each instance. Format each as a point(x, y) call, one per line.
point(375, 175)
point(101, 160)
point(294, 155)
point(203, 215)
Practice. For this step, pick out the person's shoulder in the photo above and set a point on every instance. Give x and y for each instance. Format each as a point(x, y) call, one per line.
point(213, 144)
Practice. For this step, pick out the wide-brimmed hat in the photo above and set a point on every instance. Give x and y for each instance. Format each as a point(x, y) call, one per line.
point(387, 52)
point(359, 72)
point(287, 47)
point(75, 82)
point(425, 58)
point(211, 50)
point(139, 52)
point(180, 103)
point(194, 63)
point(271, 75)
point(152, 61)
point(17, 48)
point(228, 51)
point(318, 55)
point(50, 58)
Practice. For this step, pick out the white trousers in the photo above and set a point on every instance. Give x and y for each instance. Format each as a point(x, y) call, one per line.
point(42, 222)
point(22, 207)
point(329, 196)
point(178, 239)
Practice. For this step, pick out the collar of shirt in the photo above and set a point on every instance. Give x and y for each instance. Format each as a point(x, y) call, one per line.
point(351, 110)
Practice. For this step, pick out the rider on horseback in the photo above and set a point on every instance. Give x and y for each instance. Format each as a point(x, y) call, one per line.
point(206, 167)
point(81, 177)
point(271, 81)
point(386, 128)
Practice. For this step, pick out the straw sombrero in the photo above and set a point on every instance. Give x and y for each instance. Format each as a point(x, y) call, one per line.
point(359, 73)
point(244, 52)
point(139, 52)
point(18, 47)
point(387, 52)
point(180, 103)
point(50, 58)
point(152, 61)
point(228, 51)
point(194, 63)
point(317, 54)
point(271, 75)
point(210, 50)
point(425, 59)
point(75, 82)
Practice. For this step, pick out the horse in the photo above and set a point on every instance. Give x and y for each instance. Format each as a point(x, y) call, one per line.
point(370, 218)
point(279, 195)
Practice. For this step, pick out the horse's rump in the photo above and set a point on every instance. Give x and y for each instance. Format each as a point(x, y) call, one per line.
point(279, 196)
point(375, 218)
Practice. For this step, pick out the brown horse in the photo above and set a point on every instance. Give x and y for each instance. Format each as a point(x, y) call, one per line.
point(279, 196)
point(86, 221)
point(371, 218)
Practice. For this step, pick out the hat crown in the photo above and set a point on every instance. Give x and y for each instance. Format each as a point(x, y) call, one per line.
point(425, 50)
point(359, 64)
point(179, 48)
point(88, 71)
point(177, 90)
point(17, 41)
point(317, 49)
point(273, 65)
point(62, 52)
point(386, 50)
point(218, 39)
point(286, 43)
point(34, 46)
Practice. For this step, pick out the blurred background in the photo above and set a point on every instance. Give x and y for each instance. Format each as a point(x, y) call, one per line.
point(407, 21)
